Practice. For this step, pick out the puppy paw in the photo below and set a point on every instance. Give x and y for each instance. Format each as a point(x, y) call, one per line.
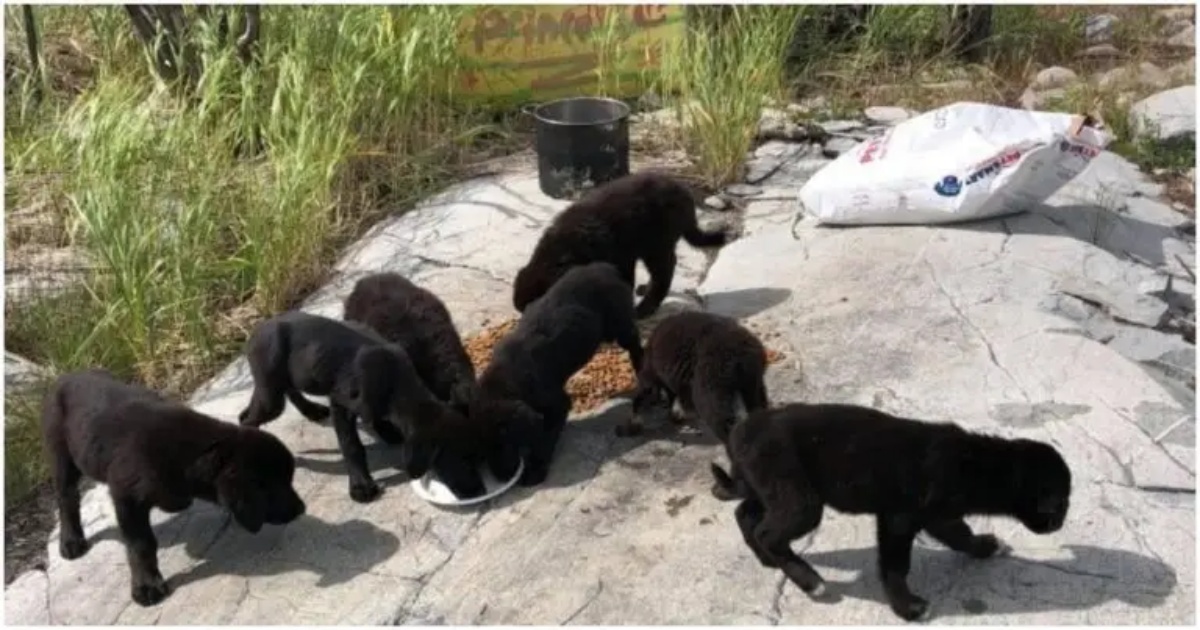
point(628, 430)
point(721, 493)
point(987, 546)
point(912, 608)
point(816, 589)
point(71, 549)
point(151, 593)
point(365, 492)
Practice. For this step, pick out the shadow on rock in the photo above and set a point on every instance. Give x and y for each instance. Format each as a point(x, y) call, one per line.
point(1122, 235)
point(381, 458)
point(337, 553)
point(744, 303)
point(959, 586)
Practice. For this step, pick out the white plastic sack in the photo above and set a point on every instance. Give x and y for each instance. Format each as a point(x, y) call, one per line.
point(960, 162)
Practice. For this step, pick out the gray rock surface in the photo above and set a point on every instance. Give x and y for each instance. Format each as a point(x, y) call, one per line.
point(1098, 29)
point(1185, 38)
point(1168, 115)
point(957, 324)
point(1102, 51)
point(887, 115)
point(1054, 77)
point(841, 126)
point(1144, 74)
point(1042, 99)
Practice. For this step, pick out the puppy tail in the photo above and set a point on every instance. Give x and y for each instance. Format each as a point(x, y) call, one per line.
point(699, 238)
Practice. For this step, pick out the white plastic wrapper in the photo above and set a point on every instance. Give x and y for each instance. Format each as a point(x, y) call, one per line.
point(961, 162)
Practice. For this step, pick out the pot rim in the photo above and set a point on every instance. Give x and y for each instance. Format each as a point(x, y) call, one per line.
point(537, 109)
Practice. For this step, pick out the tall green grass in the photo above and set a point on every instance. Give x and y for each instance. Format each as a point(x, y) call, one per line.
point(720, 78)
point(185, 220)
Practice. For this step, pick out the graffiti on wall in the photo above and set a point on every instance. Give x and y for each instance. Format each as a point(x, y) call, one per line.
point(551, 50)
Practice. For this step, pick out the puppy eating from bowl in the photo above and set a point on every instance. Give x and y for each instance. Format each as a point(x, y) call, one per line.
point(363, 375)
point(522, 391)
point(156, 453)
point(790, 462)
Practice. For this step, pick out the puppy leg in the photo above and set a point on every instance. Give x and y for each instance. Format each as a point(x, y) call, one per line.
point(895, 534)
point(957, 535)
point(537, 466)
point(362, 488)
point(71, 541)
point(779, 527)
point(387, 431)
point(623, 330)
point(648, 393)
point(267, 355)
point(661, 266)
point(749, 513)
point(715, 408)
point(141, 550)
point(307, 408)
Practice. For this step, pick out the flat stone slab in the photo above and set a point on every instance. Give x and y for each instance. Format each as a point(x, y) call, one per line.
point(947, 323)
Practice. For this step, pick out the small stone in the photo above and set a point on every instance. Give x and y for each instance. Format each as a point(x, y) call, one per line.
point(716, 202)
point(840, 126)
point(1176, 14)
point(887, 115)
point(1034, 100)
point(1054, 77)
point(952, 85)
point(1144, 74)
point(1168, 115)
point(1098, 29)
point(1102, 51)
point(1185, 38)
point(1175, 27)
point(1183, 72)
point(649, 101)
point(838, 145)
point(743, 190)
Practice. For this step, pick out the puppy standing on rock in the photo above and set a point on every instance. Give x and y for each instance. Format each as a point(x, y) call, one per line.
point(639, 216)
point(413, 317)
point(710, 363)
point(156, 453)
point(523, 389)
point(296, 353)
point(790, 462)
point(416, 319)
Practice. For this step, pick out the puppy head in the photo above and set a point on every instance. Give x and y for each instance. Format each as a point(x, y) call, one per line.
point(1044, 488)
point(536, 278)
point(255, 483)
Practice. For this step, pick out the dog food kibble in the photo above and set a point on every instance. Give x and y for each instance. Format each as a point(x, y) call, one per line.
point(605, 377)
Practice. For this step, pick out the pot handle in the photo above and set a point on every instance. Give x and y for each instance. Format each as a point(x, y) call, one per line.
point(528, 109)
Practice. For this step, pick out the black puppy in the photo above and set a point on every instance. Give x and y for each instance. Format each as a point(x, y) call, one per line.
point(363, 375)
point(414, 318)
point(523, 389)
point(710, 363)
point(640, 216)
point(790, 462)
point(156, 453)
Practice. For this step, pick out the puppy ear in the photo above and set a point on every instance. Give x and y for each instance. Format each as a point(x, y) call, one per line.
point(244, 501)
